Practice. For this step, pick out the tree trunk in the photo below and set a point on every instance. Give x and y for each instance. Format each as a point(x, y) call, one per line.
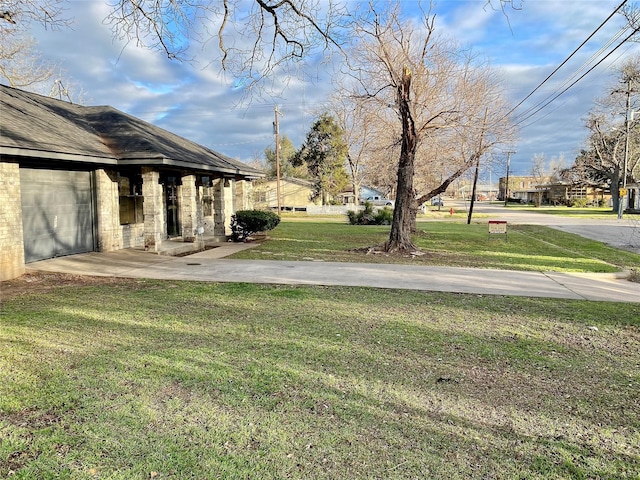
point(403, 221)
point(615, 193)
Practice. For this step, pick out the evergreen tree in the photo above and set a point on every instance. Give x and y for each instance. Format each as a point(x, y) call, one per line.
point(287, 169)
point(324, 152)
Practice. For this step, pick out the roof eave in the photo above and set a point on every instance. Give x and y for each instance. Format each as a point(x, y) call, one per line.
point(169, 162)
point(65, 156)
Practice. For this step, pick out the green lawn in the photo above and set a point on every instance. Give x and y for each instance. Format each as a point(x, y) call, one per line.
point(448, 243)
point(150, 379)
point(579, 212)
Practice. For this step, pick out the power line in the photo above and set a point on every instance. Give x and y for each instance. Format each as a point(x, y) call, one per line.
point(578, 79)
point(567, 59)
point(578, 70)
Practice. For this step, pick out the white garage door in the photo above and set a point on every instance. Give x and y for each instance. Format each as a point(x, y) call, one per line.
point(57, 213)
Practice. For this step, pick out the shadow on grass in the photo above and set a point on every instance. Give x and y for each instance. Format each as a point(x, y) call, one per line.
point(316, 382)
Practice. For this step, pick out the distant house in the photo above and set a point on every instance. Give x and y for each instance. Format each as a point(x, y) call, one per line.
point(523, 188)
point(533, 189)
point(77, 179)
point(566, 194)
point(633, 197)
point(295, 194)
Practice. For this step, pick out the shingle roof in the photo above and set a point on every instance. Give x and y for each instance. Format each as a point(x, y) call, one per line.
point(36, 125)
point(42, 124)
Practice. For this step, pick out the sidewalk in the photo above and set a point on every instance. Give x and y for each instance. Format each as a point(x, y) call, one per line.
point(211, 266)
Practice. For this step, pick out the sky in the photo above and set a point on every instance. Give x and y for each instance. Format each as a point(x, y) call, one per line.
point(199, 102)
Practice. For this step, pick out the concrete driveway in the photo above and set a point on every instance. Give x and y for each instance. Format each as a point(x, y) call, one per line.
point(211, 266)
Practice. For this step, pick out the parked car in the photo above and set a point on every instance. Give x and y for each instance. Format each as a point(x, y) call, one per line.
point(437, 202)
point(379, 201)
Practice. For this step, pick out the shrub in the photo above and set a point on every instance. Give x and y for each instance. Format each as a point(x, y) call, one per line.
point(368, 216)
point(247, 222)
point(580, 202)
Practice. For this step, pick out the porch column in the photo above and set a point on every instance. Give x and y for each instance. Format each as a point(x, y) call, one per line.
point(189, 208)
point(11, 234)
point(243, 195)
point(153, 209)
point(223, 206)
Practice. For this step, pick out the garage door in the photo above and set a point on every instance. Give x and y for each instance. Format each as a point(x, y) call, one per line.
point(57, 213)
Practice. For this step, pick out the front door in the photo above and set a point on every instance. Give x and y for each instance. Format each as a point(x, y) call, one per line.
point(171, 201)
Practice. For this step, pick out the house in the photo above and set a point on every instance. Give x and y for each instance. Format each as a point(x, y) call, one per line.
point(77, 179)
point(295, 194)
point(633, 198)
point(567, 194)
point(524, 188)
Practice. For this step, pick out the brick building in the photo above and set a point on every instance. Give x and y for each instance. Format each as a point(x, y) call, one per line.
point(76, 179)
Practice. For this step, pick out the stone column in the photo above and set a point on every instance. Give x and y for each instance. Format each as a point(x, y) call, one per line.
point(153, 209)
point(108, 208)
point(189, 208)
point(243, 195)
point(11, 233)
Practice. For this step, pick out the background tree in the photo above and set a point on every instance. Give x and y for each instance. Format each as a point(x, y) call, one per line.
point(20, 13)
point(611, 140)
point(324, 152)
point(21, 65)
point(440, 95)
point(540, 174)
point(287, 153)
point(253, 39)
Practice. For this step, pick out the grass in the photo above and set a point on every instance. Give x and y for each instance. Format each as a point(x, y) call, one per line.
point(578, 212)
point(447, 243)
point(150, 379)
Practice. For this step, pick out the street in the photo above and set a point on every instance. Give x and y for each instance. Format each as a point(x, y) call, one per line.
point(623, 234)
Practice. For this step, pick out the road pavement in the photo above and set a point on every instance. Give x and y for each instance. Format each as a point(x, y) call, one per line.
point(621, 233)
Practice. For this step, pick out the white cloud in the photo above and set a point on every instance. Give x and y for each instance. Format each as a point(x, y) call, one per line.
point(198, 101)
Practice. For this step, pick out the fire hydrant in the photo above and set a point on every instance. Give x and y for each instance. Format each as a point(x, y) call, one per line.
point(451, 211)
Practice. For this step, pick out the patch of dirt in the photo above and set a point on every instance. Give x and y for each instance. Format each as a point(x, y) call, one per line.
point(40, 282)
point(379, 250)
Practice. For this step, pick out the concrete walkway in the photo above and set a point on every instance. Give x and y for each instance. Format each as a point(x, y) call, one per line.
point(211, 266)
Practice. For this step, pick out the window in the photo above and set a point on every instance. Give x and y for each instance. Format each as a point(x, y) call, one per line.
point(130, 197)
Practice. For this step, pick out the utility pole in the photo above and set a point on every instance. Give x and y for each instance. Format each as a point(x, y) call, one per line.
point(622, 193)
point(506, 185)
point(276, 129)
point(475, 177)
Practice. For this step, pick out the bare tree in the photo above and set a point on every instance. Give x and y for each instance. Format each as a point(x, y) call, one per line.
point(358, 125)
point(540, 175)
point(254, 39)
point(439, 94)
point(613, 144)
point(20, 13)
point(21, 65)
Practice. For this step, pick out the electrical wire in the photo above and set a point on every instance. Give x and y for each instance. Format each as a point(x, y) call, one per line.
point(576, 73)
point(578, 79)
point(568, 58)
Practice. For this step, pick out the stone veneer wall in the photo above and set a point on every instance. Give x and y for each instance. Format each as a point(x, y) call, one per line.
point(107, 208)
point(11, 234)
point(243, 195)
point(111, 235)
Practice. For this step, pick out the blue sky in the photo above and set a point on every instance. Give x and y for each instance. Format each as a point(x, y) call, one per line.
point(200, 103)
